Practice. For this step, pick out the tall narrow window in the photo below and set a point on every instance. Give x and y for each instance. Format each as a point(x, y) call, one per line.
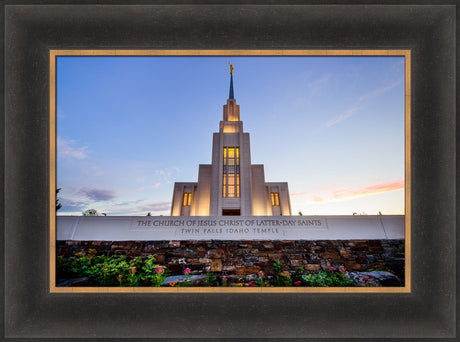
point(187, 199)
point(231, 174)
point(275, 197)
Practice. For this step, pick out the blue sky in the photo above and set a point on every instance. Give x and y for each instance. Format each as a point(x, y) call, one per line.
point(129, 127)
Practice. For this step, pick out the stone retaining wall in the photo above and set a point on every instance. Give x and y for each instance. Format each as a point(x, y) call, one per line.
point(243, 258)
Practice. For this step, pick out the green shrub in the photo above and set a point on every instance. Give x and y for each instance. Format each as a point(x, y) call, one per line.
point(113, 270)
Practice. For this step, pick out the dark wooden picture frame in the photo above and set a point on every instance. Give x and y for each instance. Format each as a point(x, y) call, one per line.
point(32, 312)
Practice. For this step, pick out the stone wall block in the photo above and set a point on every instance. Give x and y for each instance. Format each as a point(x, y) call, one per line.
point(150, 248)
point(160, 258)
point(352, 265)
point(205, 260)
point(133, 254)
point(242, 270)
point(121, 245)
point(267, 245)
point(296, 263)
point(279, 247)
point(345, 252)
point(374, 243)
point(72, 243)
point(334, 256)
point(361, 260)
point(217, 253)
point(251, 259)
point(216, 265)
point(322, 243)
point(274, 257)
point(313, 267)
point(359, 249)
point(233, 261)
point(96, 243)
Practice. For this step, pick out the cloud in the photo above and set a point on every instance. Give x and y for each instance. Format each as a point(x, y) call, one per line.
point(97, 194)
point(150, 187)
point(69, 205)
point(351, 193)
point(318, 84)
point(342, 117)
point(135, 208)
point(64, 149)
point(299, 194)
point(357, 105)
point(156, 206)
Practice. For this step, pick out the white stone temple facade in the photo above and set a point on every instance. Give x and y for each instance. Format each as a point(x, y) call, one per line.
point(231, 185)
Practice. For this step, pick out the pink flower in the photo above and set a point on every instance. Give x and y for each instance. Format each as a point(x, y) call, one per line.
point(260, 273)
point(331, 268)
point(159, 269)
point(119, 277)
point(224, 278)
point(297, 283)
point(133, 270)
point(187, 271)
point(342, 269)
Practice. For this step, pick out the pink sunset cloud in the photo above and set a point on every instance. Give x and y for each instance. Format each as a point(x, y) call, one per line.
point(346, 194)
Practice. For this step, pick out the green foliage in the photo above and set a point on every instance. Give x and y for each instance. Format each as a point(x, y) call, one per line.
point(331, 277)
point(282, 278)
point(261, 281)
point(90, 212)
point(121, 271)
point(58, 205)
point(111, 271)
point(210, 279)
point(278, 267)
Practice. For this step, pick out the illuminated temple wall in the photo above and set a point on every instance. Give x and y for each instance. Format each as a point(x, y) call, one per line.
point(231, 185)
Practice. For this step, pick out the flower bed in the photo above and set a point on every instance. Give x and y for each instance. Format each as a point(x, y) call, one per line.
point(101, 270)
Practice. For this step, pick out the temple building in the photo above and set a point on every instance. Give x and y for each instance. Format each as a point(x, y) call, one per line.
point(231, 185)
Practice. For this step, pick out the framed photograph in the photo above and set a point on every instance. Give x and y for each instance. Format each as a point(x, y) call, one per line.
point(38, 38)
point(268, 244)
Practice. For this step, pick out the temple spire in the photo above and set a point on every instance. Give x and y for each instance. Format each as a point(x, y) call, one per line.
point(231, 96)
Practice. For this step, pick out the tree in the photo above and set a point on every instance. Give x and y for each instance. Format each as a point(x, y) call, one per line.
point(58, 205)
point(90, 212)
point(149, 214)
